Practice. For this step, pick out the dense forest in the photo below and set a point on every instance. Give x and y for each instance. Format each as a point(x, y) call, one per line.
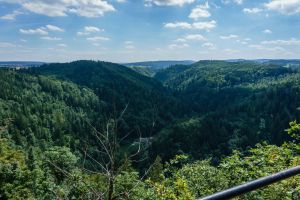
point(98, 130)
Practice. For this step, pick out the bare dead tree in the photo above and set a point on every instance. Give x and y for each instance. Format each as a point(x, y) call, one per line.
point(109, 147)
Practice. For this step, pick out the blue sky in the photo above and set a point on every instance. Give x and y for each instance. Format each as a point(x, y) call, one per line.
point(138, 30)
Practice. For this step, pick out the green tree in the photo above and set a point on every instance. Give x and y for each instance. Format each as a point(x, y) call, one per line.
point(156, 170)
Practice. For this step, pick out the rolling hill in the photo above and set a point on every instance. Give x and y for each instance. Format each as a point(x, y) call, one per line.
point(235, 104)
point(150, 105)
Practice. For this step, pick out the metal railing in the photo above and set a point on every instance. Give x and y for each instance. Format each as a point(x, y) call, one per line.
point(253, 185)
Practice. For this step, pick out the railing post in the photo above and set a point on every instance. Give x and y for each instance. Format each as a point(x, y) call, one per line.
point(253, 185)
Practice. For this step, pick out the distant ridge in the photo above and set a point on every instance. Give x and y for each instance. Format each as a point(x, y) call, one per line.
point(21, 64)
point(156, 65)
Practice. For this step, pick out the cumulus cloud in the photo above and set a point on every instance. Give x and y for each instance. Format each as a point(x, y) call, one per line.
point(183, 25)
point(228, 37)
point(128, 42)
point(61, 8)
point(51, 38)
point(201, 11)
point(195, 37)
point(89, 30)
point(97, 38)
point(129, 45)
point(54, 28)
point(209, 45)
point(11, 16)
point(208, 25)
point(178, 46)
point(267, 31)
point(168, 2)
point(252, 10)
point(205, 25)
point(92, 29)
point(44, 30)
point(191, 37)
point(62, 45)
point(286, 7)
point(38, 31)
point(239, 2)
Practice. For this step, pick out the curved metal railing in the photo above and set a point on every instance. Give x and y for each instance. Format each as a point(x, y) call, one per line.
point(253, 185)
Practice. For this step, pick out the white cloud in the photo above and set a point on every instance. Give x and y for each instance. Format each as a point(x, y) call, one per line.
point(129, 45)
point(205, 25)
point(239, 2)
point(290, 42)
point(209, 45)
point(191, 37)
point(178, 46)
point(252, 10)
point(228, 37)
point(267, 31)
point(208, 25)
point(168, 2)
point(92, 29)
point(82, 33)
point(195, 37)
point(38, 31)
point(62, 45)
point(128, 42)
point(183, 25)
point(54, 28)
point(11, 16)
point(88, 30)
point(51, 38)
point(60, 8)
point(180, 40)
point(201, 11)
point(44, 30)
point(286, 7)
point(98, 38)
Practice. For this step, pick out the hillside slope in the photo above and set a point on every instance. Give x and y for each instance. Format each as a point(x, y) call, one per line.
point(40, 111)
point(235, 104)
point(150, 106)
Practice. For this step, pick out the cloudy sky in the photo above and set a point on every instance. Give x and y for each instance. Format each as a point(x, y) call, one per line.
point(137, 30)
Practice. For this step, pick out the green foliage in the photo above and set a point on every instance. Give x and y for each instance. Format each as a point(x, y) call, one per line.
point(49, 115)
point(146, 71)
point(61, 161)
point(156, 171)
point(150, 104)
point(202, 179)
point(235, 105)
point(294, 130)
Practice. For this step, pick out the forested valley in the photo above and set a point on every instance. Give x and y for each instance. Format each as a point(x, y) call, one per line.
point(98, 130)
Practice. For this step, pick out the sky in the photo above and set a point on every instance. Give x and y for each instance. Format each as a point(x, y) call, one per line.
point(140, 30)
